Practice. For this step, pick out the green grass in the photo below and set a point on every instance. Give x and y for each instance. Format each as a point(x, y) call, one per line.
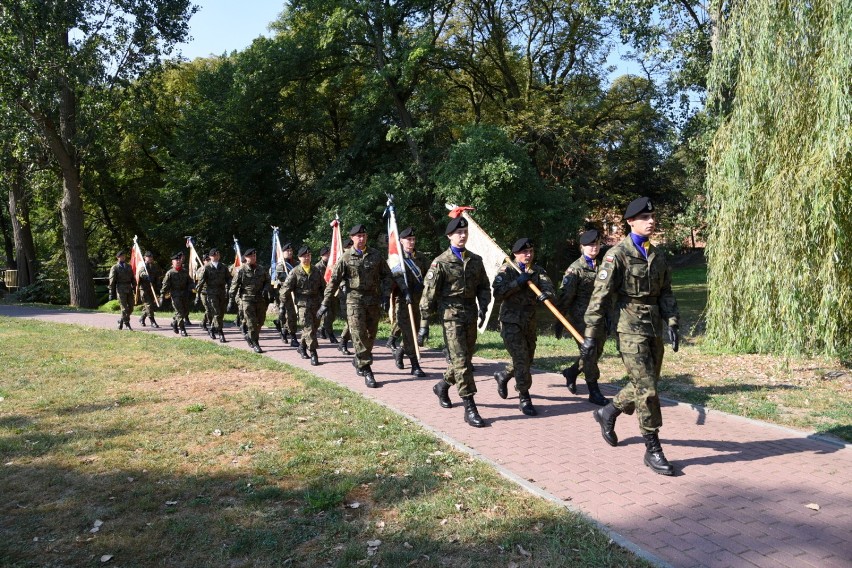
point(193, 454)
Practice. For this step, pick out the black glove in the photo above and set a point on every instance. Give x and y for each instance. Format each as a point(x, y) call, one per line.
point(407, 297)
point(482, 313)
point(422, 335)
point(523, 278)
point(543, 296)
point(111, 295)
point(321, 311)
point(386, 303)
point(232, 307)
point(674, 337)
point(587, 349)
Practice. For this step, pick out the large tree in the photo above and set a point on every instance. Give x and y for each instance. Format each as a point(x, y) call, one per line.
point(780, 179)
point(61, 62)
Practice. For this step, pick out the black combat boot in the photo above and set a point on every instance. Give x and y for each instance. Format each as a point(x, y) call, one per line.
point(121, 324)
point(331, 337)
point(142, 320)
point(322, 334)
point(212, 332)
point(277, 324)
point(222, 336)
point(502, 378)
point(654, 457)
point(285, 336)
point(204, 324)
point(391, 343)
point(442, 391)
point(247, 337)
point(127, 324)
point(314, 359)
point(415, 367)
point(342, 348)
point(256, 347)
point(570, 375)
point(154, 322)
point(471, 414)
point(595, 394)
point(303, 352)
point(369, 379)
point(294, 342)
point(183, 329)
point(175, 326)
point(397, 358)
point(606, 418)
point(525, 404)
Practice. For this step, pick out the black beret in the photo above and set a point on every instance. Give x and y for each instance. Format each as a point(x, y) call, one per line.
point(348, 243)
point(250, 251)
point(177, 256)
point(206, 257)
point(148, 253)
point(358, 229)
point(457, 223)
point(303, 250)
point(589, 237)
point(407, 232)
point(638, 206)
point(120, 253)
point(213, 251)
point(324, 250)
point(522, 244)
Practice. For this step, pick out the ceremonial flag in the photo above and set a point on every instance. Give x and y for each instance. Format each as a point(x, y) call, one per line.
point(480, 243)
point(394, 246)
point(276, 254)
point(137, 261)
point(336, 248)
point(194, 260)
point(238, 259)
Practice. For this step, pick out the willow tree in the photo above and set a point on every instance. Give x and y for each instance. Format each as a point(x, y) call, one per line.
point(780, 178)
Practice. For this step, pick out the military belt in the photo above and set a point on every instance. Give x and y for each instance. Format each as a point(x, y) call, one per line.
point(465, 302)
point(646, 301)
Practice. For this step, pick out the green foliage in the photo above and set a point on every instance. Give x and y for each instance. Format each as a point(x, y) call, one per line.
point(780, 179)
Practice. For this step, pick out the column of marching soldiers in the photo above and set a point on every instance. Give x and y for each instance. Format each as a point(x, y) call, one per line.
point(628, 293)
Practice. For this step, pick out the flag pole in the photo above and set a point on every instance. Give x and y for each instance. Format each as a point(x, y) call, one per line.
point(392, 217)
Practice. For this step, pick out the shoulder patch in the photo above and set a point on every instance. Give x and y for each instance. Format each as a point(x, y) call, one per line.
point(609, 258)
point(603, 274)
point(430, 275)
point(499, 279)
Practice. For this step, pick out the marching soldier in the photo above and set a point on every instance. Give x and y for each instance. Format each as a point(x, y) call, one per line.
point(122, 285)
point(286, 322)
point(178, 285)
point(254, 288)
point(148, 281)
point(577, 286)
point(455, 282)
point(518, 319)
point(369, 280)
point(306, 283)
point(326, 329)
point(214, 281)
point(201, 295)
point(415, 270)
point(345, 336)
point(636, 275)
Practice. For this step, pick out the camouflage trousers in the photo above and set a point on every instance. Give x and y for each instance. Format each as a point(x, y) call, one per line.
point(520, 342)
point(327, 320)
point(149, 301)
point(310, 323)
point(125, 300)
point(287, 313)
point(217, 303)
point(181, 308)
point(402, 326)
point(363, 323)
point(590, 369)
point(643, 359)
point(255, 314)
point(460, 339)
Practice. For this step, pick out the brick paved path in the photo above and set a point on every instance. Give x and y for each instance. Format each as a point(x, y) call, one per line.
point(739, 497)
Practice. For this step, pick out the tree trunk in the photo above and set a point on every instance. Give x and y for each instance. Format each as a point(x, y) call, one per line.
point(8, 241)
point(19, 212)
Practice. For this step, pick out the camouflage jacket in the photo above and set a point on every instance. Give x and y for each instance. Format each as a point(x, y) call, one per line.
point(519, 303)
point(453, 287)
point(121, 279)
point(640, 288)
point(252, 284)
point(214, 279)
point(307, 287)
point(577, 286)
point(367, 275)
point(176, 283)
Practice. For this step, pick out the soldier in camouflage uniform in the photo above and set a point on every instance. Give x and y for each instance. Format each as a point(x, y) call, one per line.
point(326, 328)
point(518, 319)
point(149, 279)
point(343, 292)
point(286, 322)
point(306, 283)
point(369, 280)
point(254, 288)
point(122, 285)
point(415, 271)
point(201, 295)
point(455, 282)
point(637, 276)
point(178, 285)
point(215, 280)
point(577, 286)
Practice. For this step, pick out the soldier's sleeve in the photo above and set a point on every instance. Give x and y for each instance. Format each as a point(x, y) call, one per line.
point(235, 287)
point(483, 289)
point(570, 283)
point(545, 284)
point(337, 274)
point(504, 284)
point(289, 283)
point(112, 279)
point(202, 281)
point(431, 285)
point(668, 303)
point(606, 283)
point(167, 286)
point(266, 287)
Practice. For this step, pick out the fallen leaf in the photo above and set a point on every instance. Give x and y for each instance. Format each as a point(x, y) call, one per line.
point(374, 543)
point(407, 546)
point(97, 526)
point(380, 524)
point(106, 557)
point(523, 552)
point(813, 506)
point(470, 479)
point(447, 475)
point(301, 419)
point(513, 565)
point(443, 522)
point(171, 503)
point(459, 506)
point(217, 432)
point(353, 505)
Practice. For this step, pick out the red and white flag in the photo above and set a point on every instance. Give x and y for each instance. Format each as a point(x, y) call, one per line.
point(336, 249)
point(137, 261)
point(194, 260)
point(238, 259)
